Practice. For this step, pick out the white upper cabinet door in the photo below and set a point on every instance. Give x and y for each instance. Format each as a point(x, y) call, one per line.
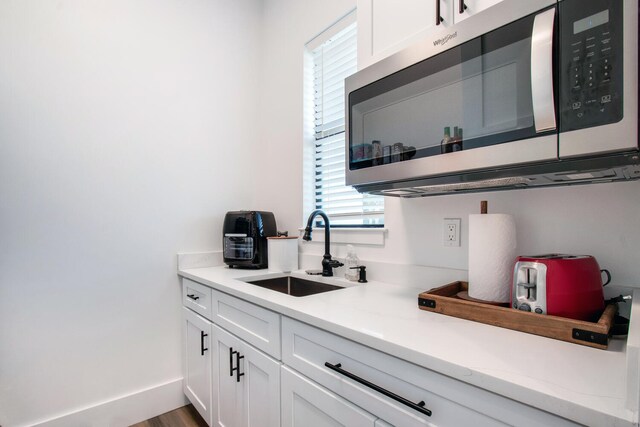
point(463, 9)
point(387, 26)
point(196, 362)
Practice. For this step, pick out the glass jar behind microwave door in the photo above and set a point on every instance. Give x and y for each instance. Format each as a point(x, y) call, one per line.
point(474, 95)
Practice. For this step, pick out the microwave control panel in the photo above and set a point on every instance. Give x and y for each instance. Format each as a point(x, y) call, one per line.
point(591, 63)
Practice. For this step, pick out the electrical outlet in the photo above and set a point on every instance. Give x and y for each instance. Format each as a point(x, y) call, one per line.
point(451, 232)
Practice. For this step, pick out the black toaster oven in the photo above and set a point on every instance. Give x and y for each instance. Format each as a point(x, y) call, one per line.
point(245, 238)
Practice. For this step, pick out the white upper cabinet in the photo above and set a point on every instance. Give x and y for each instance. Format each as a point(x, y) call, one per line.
point(387, 26)
point(463, 9)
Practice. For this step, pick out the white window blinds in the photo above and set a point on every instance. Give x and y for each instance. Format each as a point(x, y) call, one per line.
point(333, 61)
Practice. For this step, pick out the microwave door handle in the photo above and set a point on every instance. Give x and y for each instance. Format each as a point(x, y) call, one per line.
point(544, 111)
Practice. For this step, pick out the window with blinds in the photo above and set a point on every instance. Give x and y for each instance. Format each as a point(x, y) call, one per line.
point(334, 59)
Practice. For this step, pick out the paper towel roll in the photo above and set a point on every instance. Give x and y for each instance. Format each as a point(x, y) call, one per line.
point(492, 252)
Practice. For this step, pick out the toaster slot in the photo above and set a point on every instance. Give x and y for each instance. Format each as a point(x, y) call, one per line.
point(529, 287)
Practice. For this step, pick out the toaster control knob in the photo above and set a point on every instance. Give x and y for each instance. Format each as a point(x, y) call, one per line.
point(524, 307)
point(538, 310)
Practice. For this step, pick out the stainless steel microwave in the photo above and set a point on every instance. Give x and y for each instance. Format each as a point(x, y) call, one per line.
point(524, 94)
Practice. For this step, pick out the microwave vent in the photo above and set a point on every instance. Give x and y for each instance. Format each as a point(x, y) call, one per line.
point(404, 192)
point(584, 175)
point(616, 167)
point(465, 186)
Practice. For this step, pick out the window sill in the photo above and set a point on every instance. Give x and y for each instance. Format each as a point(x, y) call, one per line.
point(354, 236)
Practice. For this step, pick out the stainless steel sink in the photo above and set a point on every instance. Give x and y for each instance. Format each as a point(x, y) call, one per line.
point(294, 286)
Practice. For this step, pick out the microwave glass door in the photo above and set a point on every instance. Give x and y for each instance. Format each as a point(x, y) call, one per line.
point(479, 91)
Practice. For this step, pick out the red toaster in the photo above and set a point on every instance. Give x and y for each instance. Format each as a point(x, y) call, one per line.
point(559, 285)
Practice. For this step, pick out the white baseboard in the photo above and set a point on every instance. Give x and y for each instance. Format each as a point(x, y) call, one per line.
point(124, 410)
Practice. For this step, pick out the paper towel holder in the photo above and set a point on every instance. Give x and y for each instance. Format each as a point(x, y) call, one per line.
point(484, 205)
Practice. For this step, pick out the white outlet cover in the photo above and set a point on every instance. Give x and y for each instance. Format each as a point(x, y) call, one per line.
point(451, 231)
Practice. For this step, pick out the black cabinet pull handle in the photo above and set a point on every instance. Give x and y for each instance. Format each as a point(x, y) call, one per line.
point(235, 369)
point(462, 7)
point(193, 297)
point(238, 373)
point(202, 349)
point(415, 406)
point(439, 18)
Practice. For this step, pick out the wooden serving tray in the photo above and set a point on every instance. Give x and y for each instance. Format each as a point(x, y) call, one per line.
point(593, 334)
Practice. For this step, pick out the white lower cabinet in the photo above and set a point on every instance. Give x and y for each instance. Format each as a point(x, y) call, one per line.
point(306, 404)
point(246, 384)
point(233, 378)
point(196, 361)
point(397, 391)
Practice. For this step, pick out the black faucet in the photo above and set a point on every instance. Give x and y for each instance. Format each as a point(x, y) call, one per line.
point(328, 264)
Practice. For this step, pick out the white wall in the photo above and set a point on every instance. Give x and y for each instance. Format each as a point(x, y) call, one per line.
point(602, 220)
point(288, 25)
point(126, 132)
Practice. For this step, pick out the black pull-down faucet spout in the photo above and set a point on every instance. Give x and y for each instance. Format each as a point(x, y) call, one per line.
point(328, 264)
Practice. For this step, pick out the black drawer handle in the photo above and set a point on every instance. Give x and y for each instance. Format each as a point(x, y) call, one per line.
point(193, 297)
point(415, 406)
point(462, 7)
point(202, 349)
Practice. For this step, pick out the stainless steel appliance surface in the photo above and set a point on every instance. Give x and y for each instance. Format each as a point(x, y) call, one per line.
point(525, 94)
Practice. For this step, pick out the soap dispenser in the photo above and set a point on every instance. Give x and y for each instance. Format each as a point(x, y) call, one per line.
point(351, 262)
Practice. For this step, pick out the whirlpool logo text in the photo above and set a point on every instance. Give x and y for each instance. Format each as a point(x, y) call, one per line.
point(445, 39)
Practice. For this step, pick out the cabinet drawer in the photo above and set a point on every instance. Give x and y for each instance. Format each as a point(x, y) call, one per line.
point(305, 403)
point(197, 297)
point(452, 402)
point(256, 325)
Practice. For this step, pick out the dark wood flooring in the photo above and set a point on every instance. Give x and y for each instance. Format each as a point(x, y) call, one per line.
point(187, 416)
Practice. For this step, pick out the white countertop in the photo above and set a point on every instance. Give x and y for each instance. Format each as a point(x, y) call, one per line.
point(587, 385)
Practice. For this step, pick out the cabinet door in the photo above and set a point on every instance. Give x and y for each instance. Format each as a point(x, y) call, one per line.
point(196, 362)
point(304, 403)
point(260, 389)
point(227, 394)
point(387, 26)
point(246, 384)
point(472, 7)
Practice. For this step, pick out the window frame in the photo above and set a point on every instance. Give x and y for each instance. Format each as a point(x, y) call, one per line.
point(310, 181)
